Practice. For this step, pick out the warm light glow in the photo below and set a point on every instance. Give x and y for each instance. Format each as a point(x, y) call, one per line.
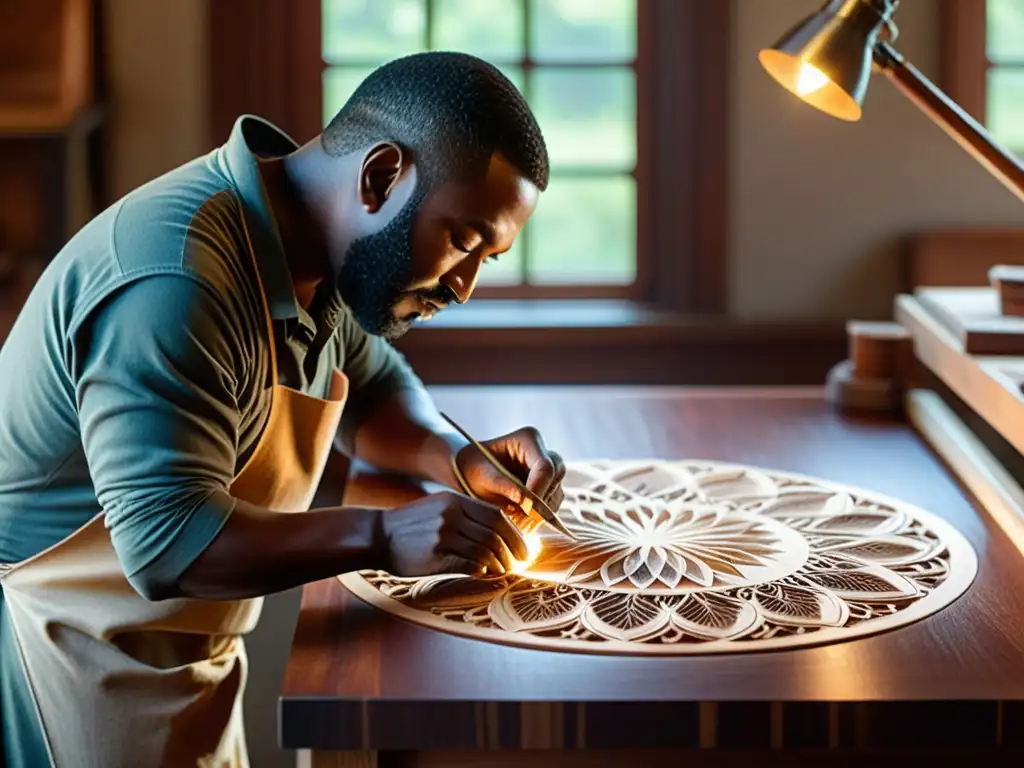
point(533, 548)
point(810, 79)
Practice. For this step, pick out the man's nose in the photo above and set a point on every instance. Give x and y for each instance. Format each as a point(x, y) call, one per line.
point(462, 278)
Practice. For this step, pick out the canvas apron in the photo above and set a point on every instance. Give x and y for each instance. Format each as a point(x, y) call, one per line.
point(122, 681)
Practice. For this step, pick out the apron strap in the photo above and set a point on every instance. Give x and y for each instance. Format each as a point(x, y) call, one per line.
point(263, 297)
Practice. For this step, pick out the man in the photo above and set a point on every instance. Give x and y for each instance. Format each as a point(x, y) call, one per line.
point(174, 383)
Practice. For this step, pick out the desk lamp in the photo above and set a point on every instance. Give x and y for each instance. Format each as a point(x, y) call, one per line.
point(827, 60)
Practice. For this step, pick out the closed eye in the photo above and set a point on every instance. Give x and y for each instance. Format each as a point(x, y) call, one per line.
point(458, 244)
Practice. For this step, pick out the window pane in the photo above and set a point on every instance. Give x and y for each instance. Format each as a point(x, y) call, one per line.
point(588, 116)
point(372, 30)
point(584, 231)
point(1006, 107)
point(1006, 30)
point(339, 84)
point(515, 74)
point(490, 29)
point(583, 30)
point(507, 270)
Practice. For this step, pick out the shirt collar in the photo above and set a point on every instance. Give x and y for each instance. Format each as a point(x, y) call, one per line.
point(252, 137)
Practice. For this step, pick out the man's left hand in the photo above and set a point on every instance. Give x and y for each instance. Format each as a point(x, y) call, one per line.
point(524, 455)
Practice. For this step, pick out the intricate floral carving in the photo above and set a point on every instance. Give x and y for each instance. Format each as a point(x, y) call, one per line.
point(683, 557)
point(677, 542)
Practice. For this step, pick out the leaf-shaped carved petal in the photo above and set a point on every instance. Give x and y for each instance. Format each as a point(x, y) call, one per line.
point(714, 616)
point(676, 494)
point(866, 584)
point(827, 561)
point(661, 517)
point(639, 515)
point(633, 562)
point(651, 479)
point(454, 591)
point(741, 554)
point(673, 569)
point(583, 568)
point(656, 559)
point(699, 572)
point(626, 616)
point(535, 608)
point(883, 550)
point(860, 522)
point(800, 606)
point(616, 568)
point(642, 577)
point(736, 485)
point(583, 517)
point(807, 504)
point(615, 523)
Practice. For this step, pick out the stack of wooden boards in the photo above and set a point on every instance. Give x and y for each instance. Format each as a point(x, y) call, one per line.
point(973, 340)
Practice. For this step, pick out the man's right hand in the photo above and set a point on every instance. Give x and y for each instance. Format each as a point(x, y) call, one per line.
point(450, 533)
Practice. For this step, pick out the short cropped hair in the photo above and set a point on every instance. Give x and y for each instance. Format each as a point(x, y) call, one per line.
point(451, 110)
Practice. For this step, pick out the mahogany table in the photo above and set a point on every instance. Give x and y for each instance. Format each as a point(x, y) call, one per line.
point(365, 688)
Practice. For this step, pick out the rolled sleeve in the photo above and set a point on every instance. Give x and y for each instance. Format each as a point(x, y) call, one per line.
point(375, 370)
point(159, 421)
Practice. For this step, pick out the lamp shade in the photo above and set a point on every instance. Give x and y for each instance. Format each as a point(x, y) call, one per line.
point(826, 58)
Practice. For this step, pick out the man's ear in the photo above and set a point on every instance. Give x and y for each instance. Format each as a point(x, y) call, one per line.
point(378, 174)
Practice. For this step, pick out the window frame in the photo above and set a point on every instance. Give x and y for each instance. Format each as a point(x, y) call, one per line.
point(529, 65)
point(265, 59)
point(965, 62)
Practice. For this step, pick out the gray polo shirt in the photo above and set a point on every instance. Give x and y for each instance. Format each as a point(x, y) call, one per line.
point(134, 381)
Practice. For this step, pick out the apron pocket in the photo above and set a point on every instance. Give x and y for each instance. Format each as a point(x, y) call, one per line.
point(168, 650)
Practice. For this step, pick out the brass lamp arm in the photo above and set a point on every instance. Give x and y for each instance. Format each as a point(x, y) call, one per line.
point(964, 129)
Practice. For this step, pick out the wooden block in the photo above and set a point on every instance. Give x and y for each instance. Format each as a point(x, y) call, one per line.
point(1008, 282)
point(853, 394)
point(878, 350)
point(972, 315)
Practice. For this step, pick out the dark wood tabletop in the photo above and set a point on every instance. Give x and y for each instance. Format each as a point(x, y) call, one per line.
point(362, 679)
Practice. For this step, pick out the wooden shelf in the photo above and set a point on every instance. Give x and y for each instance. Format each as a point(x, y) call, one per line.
point(974, 317)
point(51, 112)
point(990, 385)
point(47, 122)
point(48, 73)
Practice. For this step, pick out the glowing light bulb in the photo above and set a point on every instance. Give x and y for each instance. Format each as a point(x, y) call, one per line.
point(810, 79)
point(533, 548)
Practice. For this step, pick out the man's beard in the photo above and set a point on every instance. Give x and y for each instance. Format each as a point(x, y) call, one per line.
point(376, 274)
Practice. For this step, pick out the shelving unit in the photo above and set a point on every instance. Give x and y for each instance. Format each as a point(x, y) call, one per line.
point(51, 116)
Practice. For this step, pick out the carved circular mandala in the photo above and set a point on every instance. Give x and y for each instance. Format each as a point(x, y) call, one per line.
point(683, 557)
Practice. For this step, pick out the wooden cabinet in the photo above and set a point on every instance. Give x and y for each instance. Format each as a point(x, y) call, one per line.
point(51, 89)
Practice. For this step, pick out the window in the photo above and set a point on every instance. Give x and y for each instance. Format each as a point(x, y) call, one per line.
point(1004, 49)
point(632, 96)
point(574, 60)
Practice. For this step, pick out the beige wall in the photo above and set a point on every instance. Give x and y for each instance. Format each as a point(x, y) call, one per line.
point(156, 66)
point(803, 249)
point(795, 250)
